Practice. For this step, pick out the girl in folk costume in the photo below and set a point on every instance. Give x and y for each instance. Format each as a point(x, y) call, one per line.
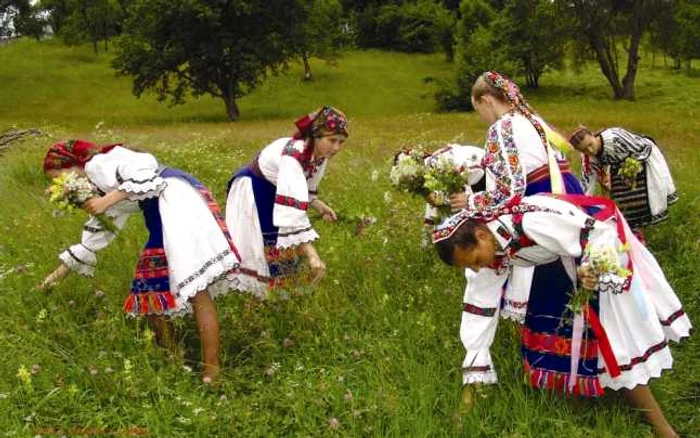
point(623, 322)
point(643, 198)
point(268, 200)
point(189, 257)
point(522, 157)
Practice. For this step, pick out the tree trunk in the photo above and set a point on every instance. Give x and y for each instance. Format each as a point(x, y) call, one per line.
point(607, 64)
point(632, 65)
point(228, 94)
point(308, 76)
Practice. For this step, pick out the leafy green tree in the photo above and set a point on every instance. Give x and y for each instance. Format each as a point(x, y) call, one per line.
point(318, 31)
point(601, 26)
point(225, 49)
point(532, 35)
point(688, 30)
point(91, 21)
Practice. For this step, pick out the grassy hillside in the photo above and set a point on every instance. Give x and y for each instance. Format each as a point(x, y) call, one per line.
point(374, 346)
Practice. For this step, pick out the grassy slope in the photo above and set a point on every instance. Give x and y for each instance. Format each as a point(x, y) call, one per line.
point(382, 327)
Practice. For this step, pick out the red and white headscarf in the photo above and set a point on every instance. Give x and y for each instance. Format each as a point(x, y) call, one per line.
point(327, 119)
point(73, 153)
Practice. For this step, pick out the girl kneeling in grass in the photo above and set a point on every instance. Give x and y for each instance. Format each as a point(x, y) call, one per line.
point(611, 329)
point(188, 258)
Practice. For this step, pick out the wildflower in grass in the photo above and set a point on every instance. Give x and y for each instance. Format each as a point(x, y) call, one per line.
point(35, 368)
point(287, 343)
point(24, 375)
point(375, 175)
point(333, 423)
point(388, 198)
point(99, 293)
point(128, 366)
point(187, 369)
point(108, 370)
point(41, 316)
point(347, 396)
point(148, 335)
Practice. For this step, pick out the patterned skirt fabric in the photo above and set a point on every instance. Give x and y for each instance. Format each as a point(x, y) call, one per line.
point(546, 340)
point(205, 257)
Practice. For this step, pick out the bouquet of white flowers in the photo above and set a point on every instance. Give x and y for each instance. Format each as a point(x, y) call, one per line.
point(444, 177)
point(69, 191)
point(408, 172)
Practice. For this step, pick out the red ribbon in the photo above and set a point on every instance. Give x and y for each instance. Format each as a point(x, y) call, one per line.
point(603, 342)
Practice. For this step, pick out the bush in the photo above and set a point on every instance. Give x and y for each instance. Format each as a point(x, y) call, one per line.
point(422, 26)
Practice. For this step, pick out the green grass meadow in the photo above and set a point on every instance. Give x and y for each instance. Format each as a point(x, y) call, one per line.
point(374, 349)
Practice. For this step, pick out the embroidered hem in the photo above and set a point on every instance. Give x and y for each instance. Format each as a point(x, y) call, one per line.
point(78, 265)
point(140, 190)
point(287, 240)
point(559, 382)
point(483, 374)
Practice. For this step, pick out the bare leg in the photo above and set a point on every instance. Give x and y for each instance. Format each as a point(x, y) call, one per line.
point(165, 332)
point(208, 328)
point(642, 399)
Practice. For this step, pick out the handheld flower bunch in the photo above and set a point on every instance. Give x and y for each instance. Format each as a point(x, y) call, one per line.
point(604, 263)
point(69, 191)
point(629, 171)
point(408, 172)
point(443, 177)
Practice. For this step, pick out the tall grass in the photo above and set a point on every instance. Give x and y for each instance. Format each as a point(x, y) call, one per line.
point(376, 344)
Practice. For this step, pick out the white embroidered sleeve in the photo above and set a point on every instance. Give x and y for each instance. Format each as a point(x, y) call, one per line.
point(480, 310)
point(503, 169)
point(138, 176)
point(82, 257)
point(291, 204)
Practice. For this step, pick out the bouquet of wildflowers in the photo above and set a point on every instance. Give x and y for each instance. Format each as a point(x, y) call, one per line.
point(408, 172)
point(604, 263)
point(443, 178)
point(69, 191)
point(629, 171)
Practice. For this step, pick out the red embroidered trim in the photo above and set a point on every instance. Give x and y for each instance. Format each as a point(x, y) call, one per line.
point(291, 202)
point(557, 345)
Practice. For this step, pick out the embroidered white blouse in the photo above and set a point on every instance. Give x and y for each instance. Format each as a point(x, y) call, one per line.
point(283, 164)
point(121, 169)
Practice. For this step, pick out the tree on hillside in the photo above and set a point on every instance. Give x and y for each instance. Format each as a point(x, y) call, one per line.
point(224, 49)
point(318, 31)
point(688, 34)
point(532, 35)
point(603, 25)
point(90, 21)
point(57, 11)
